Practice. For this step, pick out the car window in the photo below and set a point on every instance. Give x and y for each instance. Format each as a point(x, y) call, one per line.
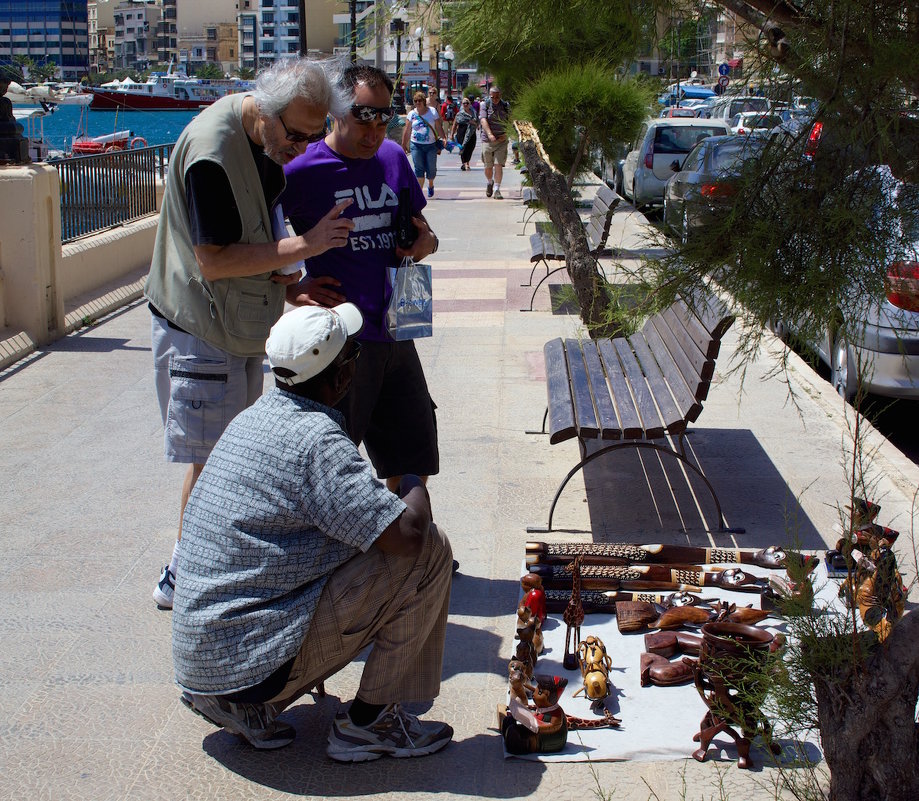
point(764, 121)
point(735, 121)
point(749, 104)
point(694, 159)
point(682, 139)
point(729, 155)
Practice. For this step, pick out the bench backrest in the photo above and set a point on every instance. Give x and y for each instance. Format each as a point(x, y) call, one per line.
point(601, 217)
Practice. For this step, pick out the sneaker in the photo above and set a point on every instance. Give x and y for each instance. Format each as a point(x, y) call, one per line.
point(253, 722)
point(498, 195)
point(165, 589)
point(489, 189)
point(394, 733)
point(430, 191)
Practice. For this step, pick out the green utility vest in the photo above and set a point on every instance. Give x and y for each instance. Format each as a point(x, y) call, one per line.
point(233, 314)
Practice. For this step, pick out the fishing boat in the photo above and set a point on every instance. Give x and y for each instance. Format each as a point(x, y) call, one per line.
point(41, 94)
point(169, 91)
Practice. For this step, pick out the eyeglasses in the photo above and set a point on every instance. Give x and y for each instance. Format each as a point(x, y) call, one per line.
point(355, 352)
point(370, 113)
point(465, 102)
point(297, 137)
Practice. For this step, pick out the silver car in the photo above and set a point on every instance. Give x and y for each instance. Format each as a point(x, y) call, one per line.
point(876, 339)
point(660, 142)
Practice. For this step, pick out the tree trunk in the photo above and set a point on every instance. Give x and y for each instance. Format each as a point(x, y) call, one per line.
point(866, 714)
point(552, 189)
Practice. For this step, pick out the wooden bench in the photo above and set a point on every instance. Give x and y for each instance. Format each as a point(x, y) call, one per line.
point(545, 245)
point(635, 390)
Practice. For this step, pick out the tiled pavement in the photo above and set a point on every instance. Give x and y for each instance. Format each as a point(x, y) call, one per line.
point(88, 513)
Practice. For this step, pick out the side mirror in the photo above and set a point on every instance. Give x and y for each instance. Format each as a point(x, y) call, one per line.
point(675, 166)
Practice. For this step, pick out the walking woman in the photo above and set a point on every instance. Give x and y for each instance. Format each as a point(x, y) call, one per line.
point(464, 129)
point(424, 129)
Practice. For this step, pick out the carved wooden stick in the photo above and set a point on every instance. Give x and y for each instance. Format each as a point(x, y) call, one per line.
point(664, 577)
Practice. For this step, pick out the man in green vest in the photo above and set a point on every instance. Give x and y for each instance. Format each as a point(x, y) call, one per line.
point(222, 261)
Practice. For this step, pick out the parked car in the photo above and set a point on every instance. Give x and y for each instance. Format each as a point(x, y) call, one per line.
point(725, 107)
point(876, 339)
point(749, 121)
point(703, 188)
point(678, 111)
point(648, 165)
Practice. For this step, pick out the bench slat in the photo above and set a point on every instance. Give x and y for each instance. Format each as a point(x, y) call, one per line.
point(584, 413)
point(629, 421)
point(561, 408)
point(610, 427)
point(667, 360)
point(641, 392)
point(690, 329)
point(672, 417)
point(694, 367)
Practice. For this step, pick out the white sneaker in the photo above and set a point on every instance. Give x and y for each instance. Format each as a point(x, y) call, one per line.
point(165, 589)
point(254, 722)
point(394, 733)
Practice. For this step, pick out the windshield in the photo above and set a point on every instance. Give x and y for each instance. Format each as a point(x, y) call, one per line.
point(730, 155)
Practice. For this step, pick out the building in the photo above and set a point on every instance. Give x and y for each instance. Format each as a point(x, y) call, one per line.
point(167, 34)
point(51, 30)
point(270, 29)
point(135, 34)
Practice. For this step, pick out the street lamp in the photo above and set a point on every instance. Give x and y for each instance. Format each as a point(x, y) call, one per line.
point(397, 27)
point(448, 57)
point(419, 35)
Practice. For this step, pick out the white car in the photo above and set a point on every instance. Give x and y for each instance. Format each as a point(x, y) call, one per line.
point(659, 143)
point(876, 339)
point(749, 121)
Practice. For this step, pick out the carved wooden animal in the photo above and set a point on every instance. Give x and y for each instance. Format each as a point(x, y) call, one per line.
point(573, 616)
point(595, 666)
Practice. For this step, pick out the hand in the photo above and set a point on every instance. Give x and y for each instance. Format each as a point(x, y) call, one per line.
point(330, 232)
point(319, 291)
point(423, 245)
point(492, 137)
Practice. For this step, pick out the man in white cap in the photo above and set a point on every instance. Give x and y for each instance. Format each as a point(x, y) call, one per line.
point(295, 558)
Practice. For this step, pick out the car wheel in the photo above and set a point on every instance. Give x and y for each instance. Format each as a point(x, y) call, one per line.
point(779, 329)
point(842, 367)
point(635, 199)
point(617, 186)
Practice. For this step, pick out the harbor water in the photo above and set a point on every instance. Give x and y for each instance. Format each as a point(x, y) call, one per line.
point(156, 127)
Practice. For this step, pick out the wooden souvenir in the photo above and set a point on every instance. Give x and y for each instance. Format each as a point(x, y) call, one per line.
point(595, 666)
point(525, 617)
point(634, 615)
point(573, 617)
point(549, 731)
point(535, 598)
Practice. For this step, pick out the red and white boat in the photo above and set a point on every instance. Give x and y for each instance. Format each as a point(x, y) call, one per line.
point(92, 145)
point(165, 92)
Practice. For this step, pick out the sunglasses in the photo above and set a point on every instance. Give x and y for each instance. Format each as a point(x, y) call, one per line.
point(355, 352)
point(370, 113)
point(298, 138)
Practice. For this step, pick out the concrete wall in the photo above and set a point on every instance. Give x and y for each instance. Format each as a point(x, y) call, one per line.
point(46, 289)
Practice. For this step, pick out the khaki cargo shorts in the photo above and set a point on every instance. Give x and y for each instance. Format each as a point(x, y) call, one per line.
point(494, 153)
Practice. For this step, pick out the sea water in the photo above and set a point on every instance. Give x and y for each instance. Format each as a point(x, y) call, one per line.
point(156, 127)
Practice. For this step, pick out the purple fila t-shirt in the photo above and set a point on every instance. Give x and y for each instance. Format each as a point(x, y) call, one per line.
point(317, 181)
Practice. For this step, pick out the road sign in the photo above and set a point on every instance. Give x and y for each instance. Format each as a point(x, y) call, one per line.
point(415, 69)
point(723, 81)
point(724, 69)
point(718, 89)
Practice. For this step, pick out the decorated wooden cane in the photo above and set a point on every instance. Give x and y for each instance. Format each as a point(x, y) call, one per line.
point(665, 577)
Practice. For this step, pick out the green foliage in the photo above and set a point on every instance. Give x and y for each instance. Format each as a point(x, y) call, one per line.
point(209, 71)
point(517, 39)
point(245, 73)
point(581, 100)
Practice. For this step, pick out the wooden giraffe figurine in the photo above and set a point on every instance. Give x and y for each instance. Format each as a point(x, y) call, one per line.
point(573, 617)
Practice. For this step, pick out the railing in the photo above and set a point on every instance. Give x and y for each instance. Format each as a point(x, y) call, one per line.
point(103, 191)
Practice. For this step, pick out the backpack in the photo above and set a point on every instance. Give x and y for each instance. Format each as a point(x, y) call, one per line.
point(448, 111)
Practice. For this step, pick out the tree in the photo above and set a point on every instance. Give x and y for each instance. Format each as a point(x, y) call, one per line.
point(44, 72)
point(245, 73)
point(209, 71)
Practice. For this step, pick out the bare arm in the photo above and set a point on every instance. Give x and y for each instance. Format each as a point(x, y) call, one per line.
point(239, 260)
point(405, 535)
point(406, 134)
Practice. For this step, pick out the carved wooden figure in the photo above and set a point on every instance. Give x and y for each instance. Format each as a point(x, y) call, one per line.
point(535, 598)
point(573, 616)
point(526, 618)
point(551, 725)
point(595, 666)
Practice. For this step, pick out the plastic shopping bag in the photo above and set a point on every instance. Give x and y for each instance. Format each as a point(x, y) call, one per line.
point(411, 310)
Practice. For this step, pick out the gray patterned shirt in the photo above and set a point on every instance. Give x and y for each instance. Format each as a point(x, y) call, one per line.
point(284, 499)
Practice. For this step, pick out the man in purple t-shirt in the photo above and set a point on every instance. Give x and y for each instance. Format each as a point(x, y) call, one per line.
point(388, 407)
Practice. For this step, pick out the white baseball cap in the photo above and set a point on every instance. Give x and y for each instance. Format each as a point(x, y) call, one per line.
point(307, 339)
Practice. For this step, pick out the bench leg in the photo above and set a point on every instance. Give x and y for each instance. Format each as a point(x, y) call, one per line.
point(722, 527)
point(545, 419)
point(541, 282)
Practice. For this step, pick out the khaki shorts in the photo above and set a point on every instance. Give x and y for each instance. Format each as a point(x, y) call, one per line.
point(494, 152)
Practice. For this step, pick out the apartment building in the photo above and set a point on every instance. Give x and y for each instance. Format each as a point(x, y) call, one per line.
point(50, 30)
point(270, 29)
point(135, 34)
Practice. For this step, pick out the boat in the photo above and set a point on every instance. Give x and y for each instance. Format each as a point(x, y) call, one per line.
point(93, 145)
point(169, 91)
point(41, 94)
point(32, 121)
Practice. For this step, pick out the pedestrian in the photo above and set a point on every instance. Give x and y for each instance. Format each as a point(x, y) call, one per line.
point(295, 559)
point(423, 130)
point(493, 122)
point(389, 408)
point(464, 130)
point(215, 286)
point(448, 110)
point(433, 100)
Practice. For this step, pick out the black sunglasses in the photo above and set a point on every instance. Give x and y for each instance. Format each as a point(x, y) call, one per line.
point(355, 352)
point(370, 113)
point(298, 138)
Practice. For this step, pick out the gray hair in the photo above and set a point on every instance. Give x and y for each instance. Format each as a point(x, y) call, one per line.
point(317, 81)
